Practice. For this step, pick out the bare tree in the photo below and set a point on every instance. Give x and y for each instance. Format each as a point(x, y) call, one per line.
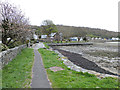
point(13, 22)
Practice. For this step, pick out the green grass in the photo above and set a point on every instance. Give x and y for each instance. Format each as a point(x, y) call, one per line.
point(17, 74)
point(0, 79)
point(71, 79)
point(46, 45)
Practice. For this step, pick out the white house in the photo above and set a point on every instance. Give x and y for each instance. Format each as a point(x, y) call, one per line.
point(43, 36)
point(99, 38)
point(52, 35)
point(74, 38)
point(115, 38)
point(93, 38)
point(35, 36)
point(81, 39)
point(96, 38)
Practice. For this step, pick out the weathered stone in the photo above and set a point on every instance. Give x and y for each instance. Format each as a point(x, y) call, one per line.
point(64, 59)
point(8, 55)
point(55, 69)
point(98, 74)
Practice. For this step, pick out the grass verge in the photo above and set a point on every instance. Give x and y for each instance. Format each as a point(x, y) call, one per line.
point(71, 79)
point(0, 79)
point(17, 74)
point(46, 45)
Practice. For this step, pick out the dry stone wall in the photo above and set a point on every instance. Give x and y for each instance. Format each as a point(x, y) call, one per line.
point(8, 55)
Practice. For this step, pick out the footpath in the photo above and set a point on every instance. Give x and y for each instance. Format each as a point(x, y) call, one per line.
point(39, 77)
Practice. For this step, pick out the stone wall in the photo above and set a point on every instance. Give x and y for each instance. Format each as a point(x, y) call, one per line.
point(8, 55)
point(0, 34)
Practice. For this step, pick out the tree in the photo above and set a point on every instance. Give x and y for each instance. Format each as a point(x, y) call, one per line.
point(48, 27)
point(13, 23)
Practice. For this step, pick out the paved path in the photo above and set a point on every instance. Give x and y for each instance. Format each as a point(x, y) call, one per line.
point(38, 45)
point(39, 79)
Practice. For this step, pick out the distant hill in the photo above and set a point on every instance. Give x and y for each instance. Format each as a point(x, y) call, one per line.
point(70, 31)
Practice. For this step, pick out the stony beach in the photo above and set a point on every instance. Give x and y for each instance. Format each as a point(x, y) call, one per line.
point(105, 55)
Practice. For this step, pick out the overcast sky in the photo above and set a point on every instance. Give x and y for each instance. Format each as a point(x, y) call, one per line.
point(88, 13)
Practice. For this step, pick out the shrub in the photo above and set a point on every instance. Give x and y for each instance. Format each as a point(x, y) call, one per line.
point(3, 47)
point(17, 43)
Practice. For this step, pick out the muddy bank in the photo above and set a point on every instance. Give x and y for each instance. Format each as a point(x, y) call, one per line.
point(84, 63)
point(105, 55)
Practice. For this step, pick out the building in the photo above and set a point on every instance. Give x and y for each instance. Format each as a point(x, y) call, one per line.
point(113, 38)
point(57, 37)
point(74, 38)
point(43, 36)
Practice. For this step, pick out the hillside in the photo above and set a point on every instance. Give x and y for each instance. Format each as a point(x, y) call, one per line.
point(69, 31)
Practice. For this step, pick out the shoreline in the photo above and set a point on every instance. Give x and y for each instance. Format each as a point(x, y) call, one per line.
point(78, 60)
point(108, 63)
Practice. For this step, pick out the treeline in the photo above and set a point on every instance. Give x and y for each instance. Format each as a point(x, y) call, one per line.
point(71, 31)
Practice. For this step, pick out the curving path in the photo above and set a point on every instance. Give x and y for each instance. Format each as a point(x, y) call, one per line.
point(39, 77)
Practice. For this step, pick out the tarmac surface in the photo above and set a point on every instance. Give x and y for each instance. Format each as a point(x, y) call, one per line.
point(39, 77)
